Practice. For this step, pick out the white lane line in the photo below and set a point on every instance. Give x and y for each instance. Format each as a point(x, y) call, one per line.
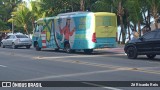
point(97, 85)
point(76, 56)
point(73, 75)
point(3, 66)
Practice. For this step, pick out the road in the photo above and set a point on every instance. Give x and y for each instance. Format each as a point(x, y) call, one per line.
point(103, 65)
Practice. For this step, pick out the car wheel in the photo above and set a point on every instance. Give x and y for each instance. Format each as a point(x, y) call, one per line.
point(37, 47)
point(28, 47)
point(2, 45)
point(151, 56)
point(132, 53)
point(88, 51)
point(14, 46)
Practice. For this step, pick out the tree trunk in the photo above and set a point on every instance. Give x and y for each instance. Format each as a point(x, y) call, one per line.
point(149, 20)
point(154, 13)
point(120, 13)
point(139, 28)
point(135, 28)
point(129, 34)
point(119, 40)
point(33, 27)
point(82, 5)
point(26, 29)
point(156, 24)
point(122, 30)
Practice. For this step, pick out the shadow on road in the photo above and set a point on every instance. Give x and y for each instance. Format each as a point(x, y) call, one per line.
point(144, 58)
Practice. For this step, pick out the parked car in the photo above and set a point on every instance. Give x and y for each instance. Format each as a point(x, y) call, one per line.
point(16, 40)
point(148, 44)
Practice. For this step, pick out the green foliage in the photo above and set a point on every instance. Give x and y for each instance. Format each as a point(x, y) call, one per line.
point(102, 6)
point(22, 17)
point(7, 7)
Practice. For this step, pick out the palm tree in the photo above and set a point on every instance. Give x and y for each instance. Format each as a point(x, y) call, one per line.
point(36, 11)
point(118, 4)
point(154, 6)
point(7, 7)
point(22, 17)
point(101, 5)
point(135, 12)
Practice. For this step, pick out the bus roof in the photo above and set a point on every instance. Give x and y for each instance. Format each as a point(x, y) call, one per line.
point(104, 13)
point(82, 12)
point(79, 13)
point(74, 13)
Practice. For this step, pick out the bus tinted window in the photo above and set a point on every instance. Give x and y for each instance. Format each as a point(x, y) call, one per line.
point(105, 21)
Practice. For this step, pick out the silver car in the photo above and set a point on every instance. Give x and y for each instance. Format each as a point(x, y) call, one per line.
point(16, 40)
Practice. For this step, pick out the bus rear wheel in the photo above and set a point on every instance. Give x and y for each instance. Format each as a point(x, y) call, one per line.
point(37, 47)
point(88, 51)
point(68, 49)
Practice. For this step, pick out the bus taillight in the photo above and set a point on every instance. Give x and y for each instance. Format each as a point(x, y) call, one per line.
point(94, 37)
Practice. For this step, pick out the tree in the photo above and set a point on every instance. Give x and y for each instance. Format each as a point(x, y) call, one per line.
point(7, 7)
point(154, 6)
point(22, 17)
point(36, 11)
point(135, 12)
point(118, 4)
point(102, 6)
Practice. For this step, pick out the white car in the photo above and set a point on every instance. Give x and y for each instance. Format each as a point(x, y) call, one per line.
point(16, 40)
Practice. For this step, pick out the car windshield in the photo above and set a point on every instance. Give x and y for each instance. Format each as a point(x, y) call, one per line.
point(21, 36)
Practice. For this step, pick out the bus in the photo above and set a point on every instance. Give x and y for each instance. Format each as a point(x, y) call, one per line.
point(76, 31)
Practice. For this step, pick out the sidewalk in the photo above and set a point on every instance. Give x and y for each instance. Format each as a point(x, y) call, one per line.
point(118, 49)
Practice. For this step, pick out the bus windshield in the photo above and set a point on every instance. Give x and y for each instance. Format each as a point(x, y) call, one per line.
point(105, 21)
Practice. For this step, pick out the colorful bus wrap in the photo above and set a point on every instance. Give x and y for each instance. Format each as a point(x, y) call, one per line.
point(76, 31)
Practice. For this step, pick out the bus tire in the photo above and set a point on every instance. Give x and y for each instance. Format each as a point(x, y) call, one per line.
point(88, 51)
point(56, 49)
point(37, 47)
point(67, 48)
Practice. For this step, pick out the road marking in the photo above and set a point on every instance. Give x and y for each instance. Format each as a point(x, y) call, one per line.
point(73, 75)
point(3, 66)
point(97, 64)
point(76, 56)
point(87, 63)
point(146, 71)
point(97, 85)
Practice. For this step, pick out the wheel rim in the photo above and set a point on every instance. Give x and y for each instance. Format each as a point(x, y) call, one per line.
point(13, 46)
point(131, 52)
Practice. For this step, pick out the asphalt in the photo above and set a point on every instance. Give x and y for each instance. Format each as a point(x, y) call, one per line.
point(103, 65)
